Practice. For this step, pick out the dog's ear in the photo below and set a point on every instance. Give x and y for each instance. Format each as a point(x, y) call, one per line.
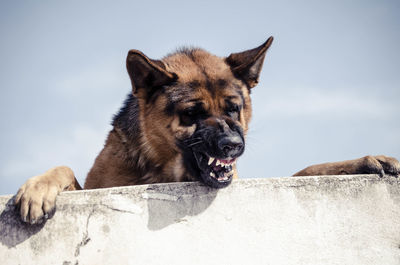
point(247, 65)
point(147, 73)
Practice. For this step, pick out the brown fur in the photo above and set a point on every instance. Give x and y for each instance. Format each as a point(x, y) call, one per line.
point(147, 152)
point(159, 131)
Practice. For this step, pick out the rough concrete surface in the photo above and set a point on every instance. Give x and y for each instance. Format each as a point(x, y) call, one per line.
point(307, 220)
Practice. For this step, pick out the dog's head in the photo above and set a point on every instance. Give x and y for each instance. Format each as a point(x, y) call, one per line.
point(195, 108)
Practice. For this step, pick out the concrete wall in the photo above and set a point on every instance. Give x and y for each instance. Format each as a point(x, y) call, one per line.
point(309, 220)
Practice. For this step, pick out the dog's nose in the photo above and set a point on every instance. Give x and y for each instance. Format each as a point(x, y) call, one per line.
point(231, 146)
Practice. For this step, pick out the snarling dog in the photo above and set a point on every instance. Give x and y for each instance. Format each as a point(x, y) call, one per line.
point(185, 120)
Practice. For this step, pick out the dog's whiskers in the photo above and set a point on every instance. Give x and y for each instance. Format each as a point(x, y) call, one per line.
point(194, 138)
point(188, 141)
point(195, 143)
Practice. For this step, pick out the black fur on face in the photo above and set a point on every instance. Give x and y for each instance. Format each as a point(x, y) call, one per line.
point(210, 153)
point(205, 99)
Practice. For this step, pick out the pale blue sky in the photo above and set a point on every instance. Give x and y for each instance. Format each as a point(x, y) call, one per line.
point(330, 87)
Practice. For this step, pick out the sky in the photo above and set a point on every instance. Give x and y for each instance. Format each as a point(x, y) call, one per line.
point(329, 90)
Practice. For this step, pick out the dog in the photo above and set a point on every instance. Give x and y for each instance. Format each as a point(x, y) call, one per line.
point(185, 120)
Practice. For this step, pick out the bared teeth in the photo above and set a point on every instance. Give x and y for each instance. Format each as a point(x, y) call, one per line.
point(221, 163)
point(212, 174)
point(225, 177)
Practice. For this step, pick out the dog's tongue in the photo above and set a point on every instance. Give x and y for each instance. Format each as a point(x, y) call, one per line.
point(227, 161)
point(217, 168)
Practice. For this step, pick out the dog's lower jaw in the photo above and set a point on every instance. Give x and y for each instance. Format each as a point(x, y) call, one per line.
point(214, 172)
point(215, 183)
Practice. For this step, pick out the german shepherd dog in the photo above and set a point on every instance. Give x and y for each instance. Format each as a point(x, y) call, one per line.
point(185, 120)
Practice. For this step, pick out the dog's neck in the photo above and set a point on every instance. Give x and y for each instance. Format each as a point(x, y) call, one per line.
point(127, 119)
point(127, 159)
point(127, 129)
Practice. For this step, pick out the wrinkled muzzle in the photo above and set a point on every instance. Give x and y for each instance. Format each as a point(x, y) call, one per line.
point(216, 149)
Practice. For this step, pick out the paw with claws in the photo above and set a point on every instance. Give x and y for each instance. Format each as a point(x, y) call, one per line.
point(37, 197)
point(380, 165)
point(384, 164)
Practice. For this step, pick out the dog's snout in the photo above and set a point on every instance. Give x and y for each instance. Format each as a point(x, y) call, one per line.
point(231, 146)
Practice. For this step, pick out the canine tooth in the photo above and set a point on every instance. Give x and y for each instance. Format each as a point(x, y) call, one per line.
point(218, 162)
point(212, 174)
point(210, 160)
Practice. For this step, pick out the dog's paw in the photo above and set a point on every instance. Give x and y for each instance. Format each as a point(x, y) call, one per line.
point(390, 165)
point(36, 199)
point(381, 165)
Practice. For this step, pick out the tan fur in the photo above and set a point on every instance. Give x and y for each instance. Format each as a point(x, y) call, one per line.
point(151, 155)
point(365, 165)
point(159, 131)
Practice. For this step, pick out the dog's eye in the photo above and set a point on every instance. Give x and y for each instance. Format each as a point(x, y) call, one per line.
point(191, 115)
point(233, 111)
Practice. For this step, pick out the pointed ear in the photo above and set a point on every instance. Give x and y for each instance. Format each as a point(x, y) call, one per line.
point(247, 65)
point(147, 73)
